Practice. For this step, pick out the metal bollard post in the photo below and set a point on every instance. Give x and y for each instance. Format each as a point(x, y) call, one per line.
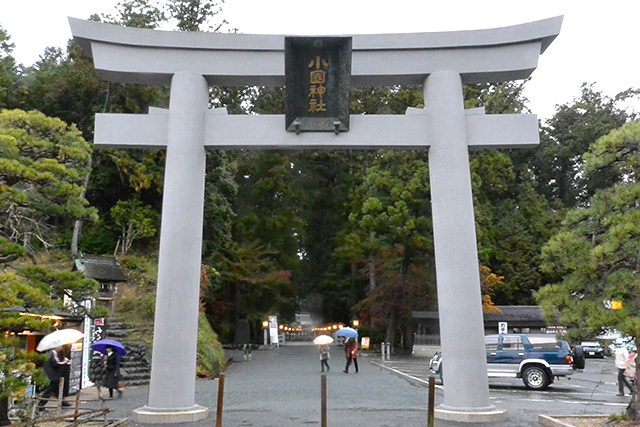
point(389, 351)
point(220, 398)
point(430, 404)
point(383, 348)
point(323, 400)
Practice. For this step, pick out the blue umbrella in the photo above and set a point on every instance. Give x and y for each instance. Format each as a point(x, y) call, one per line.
point(347, 332)
point(102, 345)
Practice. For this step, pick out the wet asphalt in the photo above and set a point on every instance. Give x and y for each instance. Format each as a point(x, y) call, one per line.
point(282, 387)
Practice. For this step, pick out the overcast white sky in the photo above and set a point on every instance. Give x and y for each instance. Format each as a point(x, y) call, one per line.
point(598, 41)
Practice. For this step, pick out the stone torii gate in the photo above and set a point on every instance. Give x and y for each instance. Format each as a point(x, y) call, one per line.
point(191, 62)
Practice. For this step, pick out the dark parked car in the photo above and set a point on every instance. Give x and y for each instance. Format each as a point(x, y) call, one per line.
point(536, 358)
point(592, 349)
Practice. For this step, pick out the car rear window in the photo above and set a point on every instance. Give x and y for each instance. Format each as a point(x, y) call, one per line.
point(544, 343)
point(491, 343)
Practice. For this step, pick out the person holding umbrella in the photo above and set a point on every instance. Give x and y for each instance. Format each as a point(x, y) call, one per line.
point(324, 356)
point(54, 370)
point(113, 371)
point(57, 366)
point(323, 341)
point(351, 352)
point(114, 351)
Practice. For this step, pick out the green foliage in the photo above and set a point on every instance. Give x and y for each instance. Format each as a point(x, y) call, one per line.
point(135, 302)
point(389, 239)
point(134, 13)
point(512, 220)
point(134, 222)
point(37, 291)
point(503, 98)
point(10, 90)
point(617, 418)
point(42, 169)
point(249, 285)
point(65, 85)
point(269, 204)
point(210, 355)
point(558, 164)
point(512, 224)
point(17, 367)
point(616, 154)
point(391, 205)
point(595, 256)
point(220, 190)
point(98, 238)
point(192, 14)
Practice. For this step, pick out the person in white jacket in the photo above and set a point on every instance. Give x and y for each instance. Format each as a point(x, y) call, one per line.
point(621, 355)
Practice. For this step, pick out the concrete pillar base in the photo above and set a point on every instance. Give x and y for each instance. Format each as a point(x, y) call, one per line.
point(147, 415)
point(483, 415)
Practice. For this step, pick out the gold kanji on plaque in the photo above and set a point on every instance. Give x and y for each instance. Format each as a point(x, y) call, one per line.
point(317, 89)
point(317, 84)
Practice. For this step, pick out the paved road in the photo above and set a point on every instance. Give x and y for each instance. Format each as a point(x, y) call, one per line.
point(592, 391)
point(281, 387)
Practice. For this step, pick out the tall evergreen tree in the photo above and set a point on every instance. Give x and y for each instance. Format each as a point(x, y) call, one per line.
point(10, 90)
point(558, 164)
point(595, 257)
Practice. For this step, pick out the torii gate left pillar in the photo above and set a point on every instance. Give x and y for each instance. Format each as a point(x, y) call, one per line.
point(177, 298)
point(189, 62)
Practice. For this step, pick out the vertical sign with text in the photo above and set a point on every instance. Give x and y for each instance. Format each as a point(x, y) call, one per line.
point(273, 330)
point(502, 328)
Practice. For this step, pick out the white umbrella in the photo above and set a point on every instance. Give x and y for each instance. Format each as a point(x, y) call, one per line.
point(58, 338)
point(322, 340)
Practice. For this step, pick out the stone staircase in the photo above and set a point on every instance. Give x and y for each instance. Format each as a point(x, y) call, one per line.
point(137, 362)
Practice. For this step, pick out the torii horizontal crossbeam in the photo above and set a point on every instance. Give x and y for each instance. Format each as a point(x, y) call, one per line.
point(149, 131)
point(134, 55)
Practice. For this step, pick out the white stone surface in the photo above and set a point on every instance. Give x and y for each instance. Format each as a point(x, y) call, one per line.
point(456, 254)
point(134, 55)
point(173, 363)
point(268, 132)
point(193, 414)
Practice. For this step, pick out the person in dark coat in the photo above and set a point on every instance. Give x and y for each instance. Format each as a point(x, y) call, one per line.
point(243, 338)
point(54, 369)
point(113, 371)
point(351, 352)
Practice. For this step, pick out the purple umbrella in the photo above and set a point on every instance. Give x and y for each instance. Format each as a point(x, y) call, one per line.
point(347, 332)
point(102, 345)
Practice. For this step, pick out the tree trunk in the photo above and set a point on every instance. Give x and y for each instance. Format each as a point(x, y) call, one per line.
point(77, 228)
point(4, 412)
point(77, 225)
point(633, 410)
point(372, 273)
point(390, 335)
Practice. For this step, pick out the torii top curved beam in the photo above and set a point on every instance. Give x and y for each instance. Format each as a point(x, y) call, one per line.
point(134, 55)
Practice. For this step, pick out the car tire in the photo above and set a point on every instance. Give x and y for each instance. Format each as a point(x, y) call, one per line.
point(578, 357)
point(536, 378)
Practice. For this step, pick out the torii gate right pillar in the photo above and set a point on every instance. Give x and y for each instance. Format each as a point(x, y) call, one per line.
point(456, 255)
